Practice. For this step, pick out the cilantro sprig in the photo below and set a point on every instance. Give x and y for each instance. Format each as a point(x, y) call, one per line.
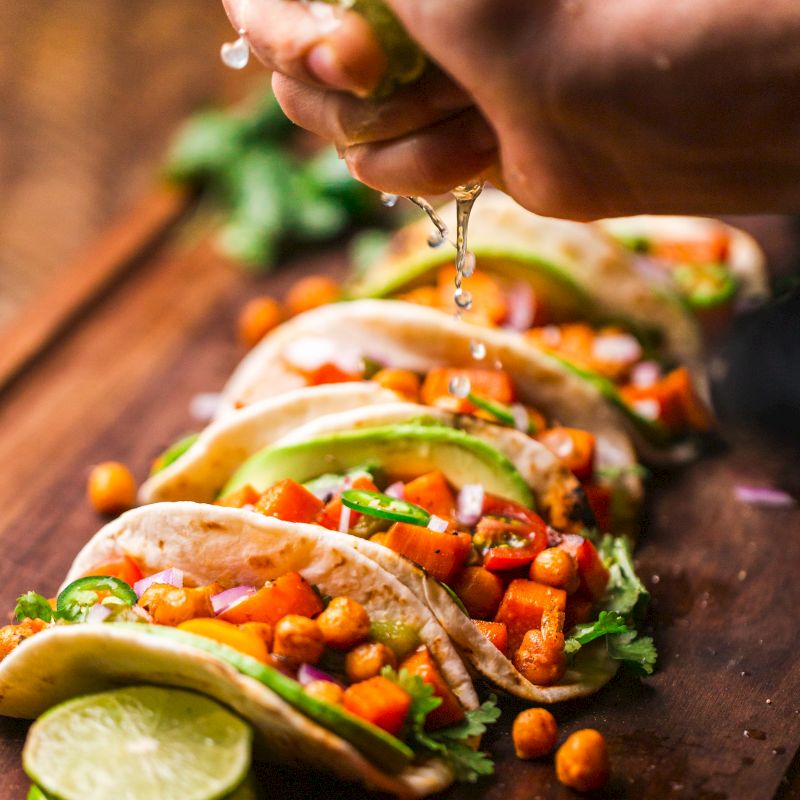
point(449, 744)
point(34, 606)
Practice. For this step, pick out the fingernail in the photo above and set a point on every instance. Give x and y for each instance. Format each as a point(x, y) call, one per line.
point(323, 63)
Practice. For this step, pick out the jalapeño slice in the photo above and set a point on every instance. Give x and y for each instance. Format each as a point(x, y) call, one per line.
point(80, 595)
point(377, 504)
point(501, 412)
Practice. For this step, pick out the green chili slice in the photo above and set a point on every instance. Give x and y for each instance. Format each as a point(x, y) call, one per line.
point(79, 596)
point(377, 504)
point(502, 413)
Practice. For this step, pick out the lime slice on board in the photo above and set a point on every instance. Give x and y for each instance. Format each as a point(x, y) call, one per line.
point(139, 743)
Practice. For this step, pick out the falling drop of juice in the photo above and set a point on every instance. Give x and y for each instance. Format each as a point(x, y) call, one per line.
point(478, 350)
point(459, 386)
point(389, 200)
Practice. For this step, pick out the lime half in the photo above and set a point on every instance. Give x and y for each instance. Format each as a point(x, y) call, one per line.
point(139, 743)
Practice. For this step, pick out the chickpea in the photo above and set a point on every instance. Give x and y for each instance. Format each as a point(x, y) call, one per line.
point(367, 660)
point(111, 487)
point(257, 318)
point(582, 761)
point(13, 635)
point(298, 639)
point(556, 567)
point(344, 623)
point(311, 292)
point(534, 733)
point(402, 381)
point(171, 605)
point(261, 629)
point(326, 691)
point(541, 659)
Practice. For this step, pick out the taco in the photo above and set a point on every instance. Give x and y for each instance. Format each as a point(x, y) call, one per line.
point(334, 662)
point(371, 345)
point(572, 291)
point(480, 520)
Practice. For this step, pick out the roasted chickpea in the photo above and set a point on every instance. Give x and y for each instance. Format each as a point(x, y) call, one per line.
point(541, 659)
point(13, 635)
point(111, 487)
point(582, 761)
point(367, 660)
point(344, 623)
point(171, 605)
point(326, 691)
point(402, 381)
point(261, 629)
point(257, 318)
point(556, 567)
point(311, 292)
point(534, 733)
point(298, 639)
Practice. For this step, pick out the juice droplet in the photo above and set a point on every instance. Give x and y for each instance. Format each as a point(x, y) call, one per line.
point(437, 221)
point(436, 239)
point(465, 198)
point(459, 386)
point(478, 350)
point(469, 265)
point(389, 200)
point(463, 299)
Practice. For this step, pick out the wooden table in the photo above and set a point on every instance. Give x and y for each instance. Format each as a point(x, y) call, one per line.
point(720, 719)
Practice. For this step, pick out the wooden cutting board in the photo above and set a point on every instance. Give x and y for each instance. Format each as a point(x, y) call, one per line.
point(110, 375)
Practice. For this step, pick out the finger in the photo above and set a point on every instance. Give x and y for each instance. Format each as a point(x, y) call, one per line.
point(313, 42)
point(347, 120)
point(430, 161)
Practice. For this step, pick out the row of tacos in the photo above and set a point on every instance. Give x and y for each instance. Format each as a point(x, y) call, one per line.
point(391, 502)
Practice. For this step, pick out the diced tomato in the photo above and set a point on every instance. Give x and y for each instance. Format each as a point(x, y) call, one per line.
point(331, 514)
point(492, 384)
point(591, 569)
point(288, 594)
point(599, 497)
point(442, 554)
point(331, 373)
point(711, 248)
point(126, 569)
point(246, 496)
point(509, 535)
point(523, 606)
point(378, 701)
point(433, 493)
point(421, 663)
point(480, 591)
point(573, 447)
point(489, 304)
point(502, 559)
point(289, 501)
point(495, 632)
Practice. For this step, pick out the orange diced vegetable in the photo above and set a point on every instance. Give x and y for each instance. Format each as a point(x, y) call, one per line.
point(246, 496)
point(579, 609)
point(257, 318)
point(126, 569)
point(239, 639)
point(422, 296)
point(378, 701)
point(599, 497)
point(111, 487)
point(489, 305)
point(492, 384)
point(441, 554)
point(495, 632)
point(591, 569)
point(403, 381)
point(573, 447)
point(421, 663)
point(289, 594)
point(311, 292)
point(433, 493)
point(331, 373)
point(289, 501)
point(523, 605)
point(331, 514)
point(709, 249)
point(480, 591)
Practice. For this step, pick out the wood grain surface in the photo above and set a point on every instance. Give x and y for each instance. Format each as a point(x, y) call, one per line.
point(721, 717)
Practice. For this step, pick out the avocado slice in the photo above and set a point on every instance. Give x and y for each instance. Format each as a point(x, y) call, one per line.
point(405, 450)
point(383, 749)
point(173, 453)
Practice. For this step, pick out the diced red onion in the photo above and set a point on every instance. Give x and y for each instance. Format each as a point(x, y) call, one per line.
point(344, 519)
point(397, 490)
point(764, 496)
point(470, 503)
point(311, 352)
point(98, 613)
point(560, 444)
point(645, 374)
point(522, 422)
point(324, 491)
point(172, 576)
point(437, 524)
point(550, 335)
point(224, 600)
point(618, 348)
point(646, 407)
point(521, 303)
point(308, 673)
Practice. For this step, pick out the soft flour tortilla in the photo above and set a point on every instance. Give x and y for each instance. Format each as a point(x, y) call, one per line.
point(746, 260)
point(592, 668)
point(233, 547)
point(579, 268)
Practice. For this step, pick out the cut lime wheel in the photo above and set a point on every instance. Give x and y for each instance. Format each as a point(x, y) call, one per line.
point(139, 743)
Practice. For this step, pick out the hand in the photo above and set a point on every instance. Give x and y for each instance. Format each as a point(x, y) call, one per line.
point(595, 108)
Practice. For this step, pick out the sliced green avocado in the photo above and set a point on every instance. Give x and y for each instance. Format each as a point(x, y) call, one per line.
point(173, 453)
point(405, 450)
point(384, 750)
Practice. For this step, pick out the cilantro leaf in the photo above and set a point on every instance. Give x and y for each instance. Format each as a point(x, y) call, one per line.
point(607, 623)
point(636, 652)
point(625, 594)
point(422, 699)
point(474, 723)
point(33, 606)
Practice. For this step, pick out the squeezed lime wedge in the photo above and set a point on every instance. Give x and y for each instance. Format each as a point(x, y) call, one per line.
point(138, 743)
